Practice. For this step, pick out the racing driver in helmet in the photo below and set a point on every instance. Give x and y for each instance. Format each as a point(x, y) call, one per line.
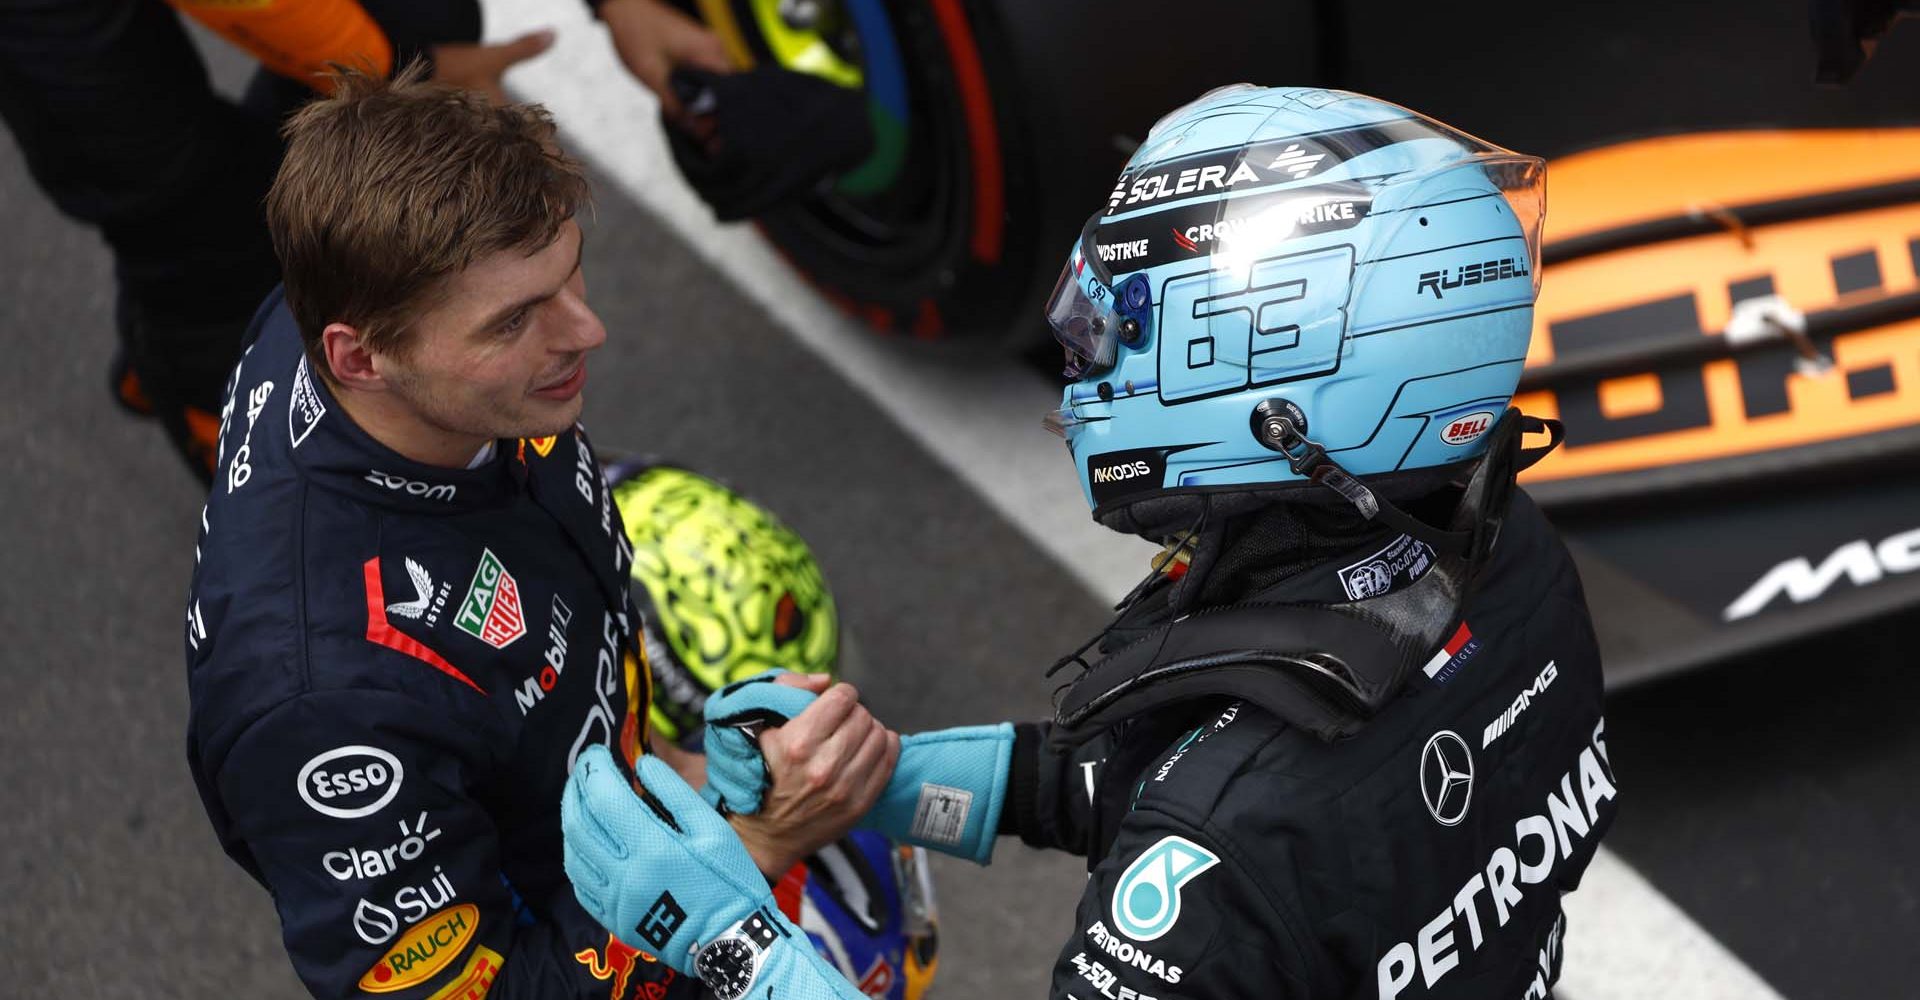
point(1346, 739)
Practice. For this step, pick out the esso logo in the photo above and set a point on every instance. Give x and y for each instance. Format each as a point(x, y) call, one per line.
point(1462, 430)
point(351, 782)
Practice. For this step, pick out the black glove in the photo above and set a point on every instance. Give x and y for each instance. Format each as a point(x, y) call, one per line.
point(751, 142)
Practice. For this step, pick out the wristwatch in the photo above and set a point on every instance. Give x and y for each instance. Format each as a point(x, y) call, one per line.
point(729, 963)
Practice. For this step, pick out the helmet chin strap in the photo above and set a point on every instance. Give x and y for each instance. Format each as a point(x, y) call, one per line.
point(1280, 428)
point(1308, 459)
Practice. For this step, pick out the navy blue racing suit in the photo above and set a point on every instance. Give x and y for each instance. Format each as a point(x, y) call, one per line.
point(392, 667)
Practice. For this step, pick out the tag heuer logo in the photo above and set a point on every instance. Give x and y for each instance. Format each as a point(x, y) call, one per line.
point(491, 610)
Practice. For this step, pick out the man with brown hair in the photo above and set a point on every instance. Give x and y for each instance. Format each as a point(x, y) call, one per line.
point(410, 614)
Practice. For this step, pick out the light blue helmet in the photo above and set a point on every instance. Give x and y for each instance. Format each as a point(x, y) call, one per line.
point(1286, 280)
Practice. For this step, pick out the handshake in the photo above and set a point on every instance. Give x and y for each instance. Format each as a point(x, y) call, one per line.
point(791, 765)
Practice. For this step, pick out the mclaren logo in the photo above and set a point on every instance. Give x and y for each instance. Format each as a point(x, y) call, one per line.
point(1860, 561)
point(1125, 470)
point(1446, 777)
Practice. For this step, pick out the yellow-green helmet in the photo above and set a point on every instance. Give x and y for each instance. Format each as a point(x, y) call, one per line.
point(725, 590)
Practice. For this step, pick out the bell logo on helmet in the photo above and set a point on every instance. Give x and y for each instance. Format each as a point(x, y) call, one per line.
point(1467, 429)
point(1146, 903)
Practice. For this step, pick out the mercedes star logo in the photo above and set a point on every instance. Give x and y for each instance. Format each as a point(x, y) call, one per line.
point(1446, 777)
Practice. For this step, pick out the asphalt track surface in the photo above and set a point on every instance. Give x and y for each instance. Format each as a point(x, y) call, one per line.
point(1773, 801)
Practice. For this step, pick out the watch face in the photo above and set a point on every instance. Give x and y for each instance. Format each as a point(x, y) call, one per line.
point(726, 967)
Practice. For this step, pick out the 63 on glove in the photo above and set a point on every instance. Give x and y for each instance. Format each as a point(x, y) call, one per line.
point(673, 880)
point(945, 794)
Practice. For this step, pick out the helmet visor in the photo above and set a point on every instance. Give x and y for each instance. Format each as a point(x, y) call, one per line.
point(1081, 309)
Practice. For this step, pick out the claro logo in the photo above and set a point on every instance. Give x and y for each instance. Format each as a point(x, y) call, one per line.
point(351, 782)
point(1125, 470)
point(411, 487)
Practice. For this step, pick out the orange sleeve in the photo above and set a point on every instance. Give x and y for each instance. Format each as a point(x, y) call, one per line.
point(298, 38)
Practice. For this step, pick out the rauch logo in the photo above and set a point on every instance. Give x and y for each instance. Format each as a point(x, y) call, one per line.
point(424, 950)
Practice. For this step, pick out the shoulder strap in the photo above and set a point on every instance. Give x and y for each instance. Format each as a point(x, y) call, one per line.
point(1311, 667)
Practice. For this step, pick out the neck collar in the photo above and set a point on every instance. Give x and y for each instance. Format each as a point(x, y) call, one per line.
point(333, 451)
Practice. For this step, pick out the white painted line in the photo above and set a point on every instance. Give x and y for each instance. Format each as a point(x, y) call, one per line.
point(981, 419)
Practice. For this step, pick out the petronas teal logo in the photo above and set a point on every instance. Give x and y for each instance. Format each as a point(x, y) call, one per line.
point(1146, 903)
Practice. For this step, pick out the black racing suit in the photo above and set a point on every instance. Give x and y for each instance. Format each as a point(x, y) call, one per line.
point(1235, 855)
point(391, 668)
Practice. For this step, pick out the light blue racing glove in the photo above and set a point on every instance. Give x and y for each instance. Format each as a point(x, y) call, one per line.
point(736, 715)
point(945, 795)
point(947, 791)
point(670, 877)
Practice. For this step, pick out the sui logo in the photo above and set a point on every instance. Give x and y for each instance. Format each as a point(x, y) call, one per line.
point(1146, 903)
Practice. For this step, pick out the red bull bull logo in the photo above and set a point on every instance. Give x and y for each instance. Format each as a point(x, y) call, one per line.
point(618, 961)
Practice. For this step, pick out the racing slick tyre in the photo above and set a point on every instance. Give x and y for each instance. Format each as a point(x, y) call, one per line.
point(998, 125)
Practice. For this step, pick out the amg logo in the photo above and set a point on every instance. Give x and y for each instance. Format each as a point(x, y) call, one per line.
point(1482, 273)
point(1860, 561)
point(1499, 726)
point(1126, 470)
